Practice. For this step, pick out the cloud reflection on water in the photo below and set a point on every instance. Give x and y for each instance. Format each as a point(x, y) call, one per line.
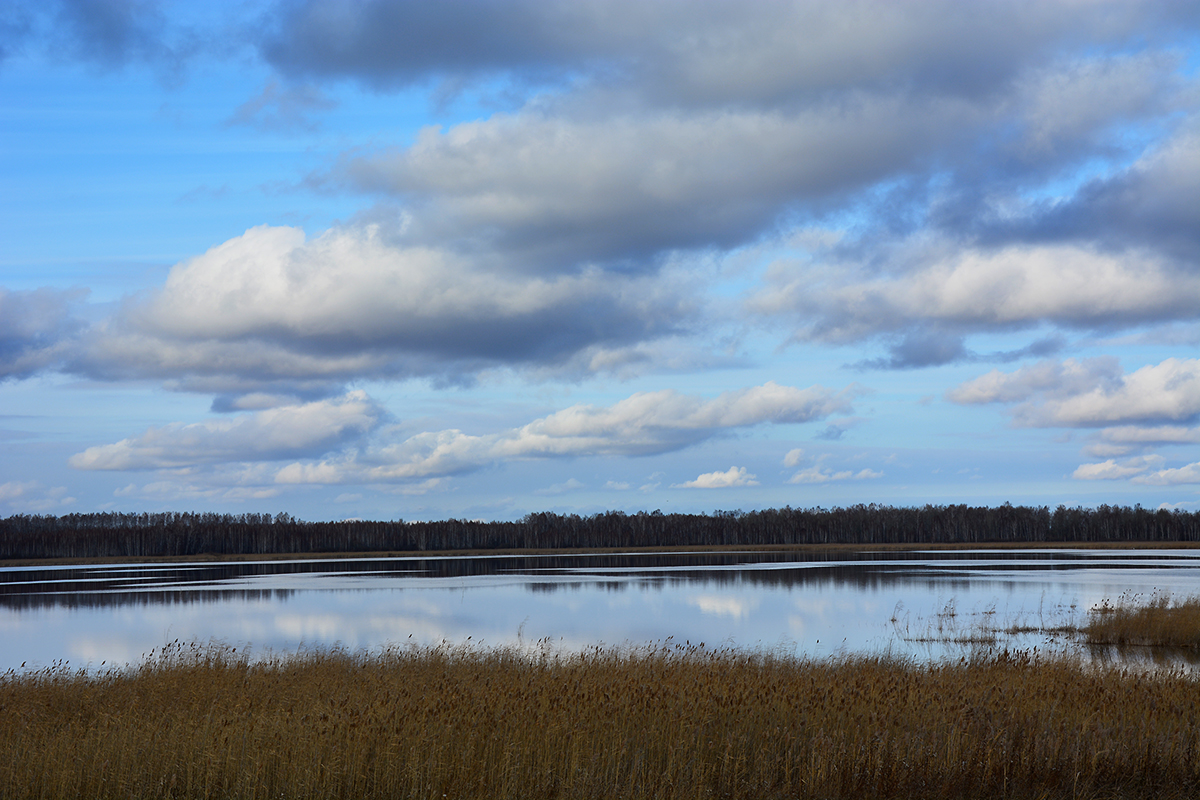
point(814, 603)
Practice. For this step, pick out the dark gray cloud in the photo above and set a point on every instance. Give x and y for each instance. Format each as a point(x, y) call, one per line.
point(933, 347)
point(394, 44)
point(36, 330)
point(922, 348)
point(1155, 203)
point(558, 191)
point(707, 52)
point(112, 32)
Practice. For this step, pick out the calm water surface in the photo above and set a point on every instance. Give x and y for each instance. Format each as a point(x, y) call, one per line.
point(807, 603)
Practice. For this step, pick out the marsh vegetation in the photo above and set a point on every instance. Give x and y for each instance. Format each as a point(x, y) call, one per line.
point(670, 720)
point(1134, 623)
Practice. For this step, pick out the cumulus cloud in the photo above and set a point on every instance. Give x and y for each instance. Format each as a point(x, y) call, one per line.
point(1142, 470)
point(639, 134)
point(563, 190)
point(818, 474)
point(1091, 393)
point(645, 423)
point(734, 476)
point(965, 290)
point(1108, 470)
point(273, 308)
point(680, 130)
point(277, 433)
point(1171, 477)
point(1121, 440)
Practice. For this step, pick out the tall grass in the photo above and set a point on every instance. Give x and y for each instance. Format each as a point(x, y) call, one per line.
point(1159, 621)
point(662, 722)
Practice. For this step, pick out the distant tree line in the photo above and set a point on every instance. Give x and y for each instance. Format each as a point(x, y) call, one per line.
point(185, 534)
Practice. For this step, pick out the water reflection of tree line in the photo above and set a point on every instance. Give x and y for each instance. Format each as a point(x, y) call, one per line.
point(612, 572)
point(172, 533)
point(94, 600)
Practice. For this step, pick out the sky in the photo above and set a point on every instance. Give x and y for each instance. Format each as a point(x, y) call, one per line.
point(424, 260)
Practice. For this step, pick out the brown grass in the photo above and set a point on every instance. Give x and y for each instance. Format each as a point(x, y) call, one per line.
point(1159, 621)
point(663, 722)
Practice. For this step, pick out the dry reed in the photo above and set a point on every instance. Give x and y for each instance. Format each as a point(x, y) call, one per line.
point(1159, 621)
point(668, 721)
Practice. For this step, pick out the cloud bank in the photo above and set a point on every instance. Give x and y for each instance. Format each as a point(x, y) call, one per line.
point(343, 440)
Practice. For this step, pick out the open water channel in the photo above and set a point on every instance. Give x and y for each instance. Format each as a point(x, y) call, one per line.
point(808, 603)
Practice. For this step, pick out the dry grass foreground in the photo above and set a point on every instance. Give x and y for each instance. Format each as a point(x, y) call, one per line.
point(661, 722)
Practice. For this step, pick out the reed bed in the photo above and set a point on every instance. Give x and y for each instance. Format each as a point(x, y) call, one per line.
point(1158, 621)
point(670, 721)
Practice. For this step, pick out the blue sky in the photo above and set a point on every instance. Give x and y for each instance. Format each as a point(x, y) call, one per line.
point(475, 259)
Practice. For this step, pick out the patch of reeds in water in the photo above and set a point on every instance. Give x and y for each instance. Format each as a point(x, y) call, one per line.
point(1158, 621)
point(659, 722)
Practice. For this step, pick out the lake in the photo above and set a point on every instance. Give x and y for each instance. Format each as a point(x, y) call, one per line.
point(810, 603)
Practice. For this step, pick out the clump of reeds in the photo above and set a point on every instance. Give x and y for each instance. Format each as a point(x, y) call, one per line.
point(658, 722)
point(1159, 620)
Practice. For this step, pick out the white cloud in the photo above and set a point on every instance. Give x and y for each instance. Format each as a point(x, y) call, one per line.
point(642, 424)
point(1058, 379)
point(1123, 439)
point(1106, 471)
point(734, 476)
point(16, 489)
point(818, 474)
point(1147, 469)
point(32, 496)
point(1171, 477)
point(275, 433)
point(794, 457)
point(271, 306)
point(565, 189)
point(168, 490)
point(1091, 393)
point(974, 290)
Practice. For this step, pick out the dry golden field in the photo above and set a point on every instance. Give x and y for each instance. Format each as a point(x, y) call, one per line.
point(671, 721)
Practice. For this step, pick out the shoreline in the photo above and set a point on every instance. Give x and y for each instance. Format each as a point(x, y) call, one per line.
point(576, 551)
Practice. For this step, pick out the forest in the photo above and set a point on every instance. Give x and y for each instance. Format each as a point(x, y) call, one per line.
point(130, 535)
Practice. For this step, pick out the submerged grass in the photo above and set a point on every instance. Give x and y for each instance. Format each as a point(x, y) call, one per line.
point(657, 722)
point(1133, 621)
